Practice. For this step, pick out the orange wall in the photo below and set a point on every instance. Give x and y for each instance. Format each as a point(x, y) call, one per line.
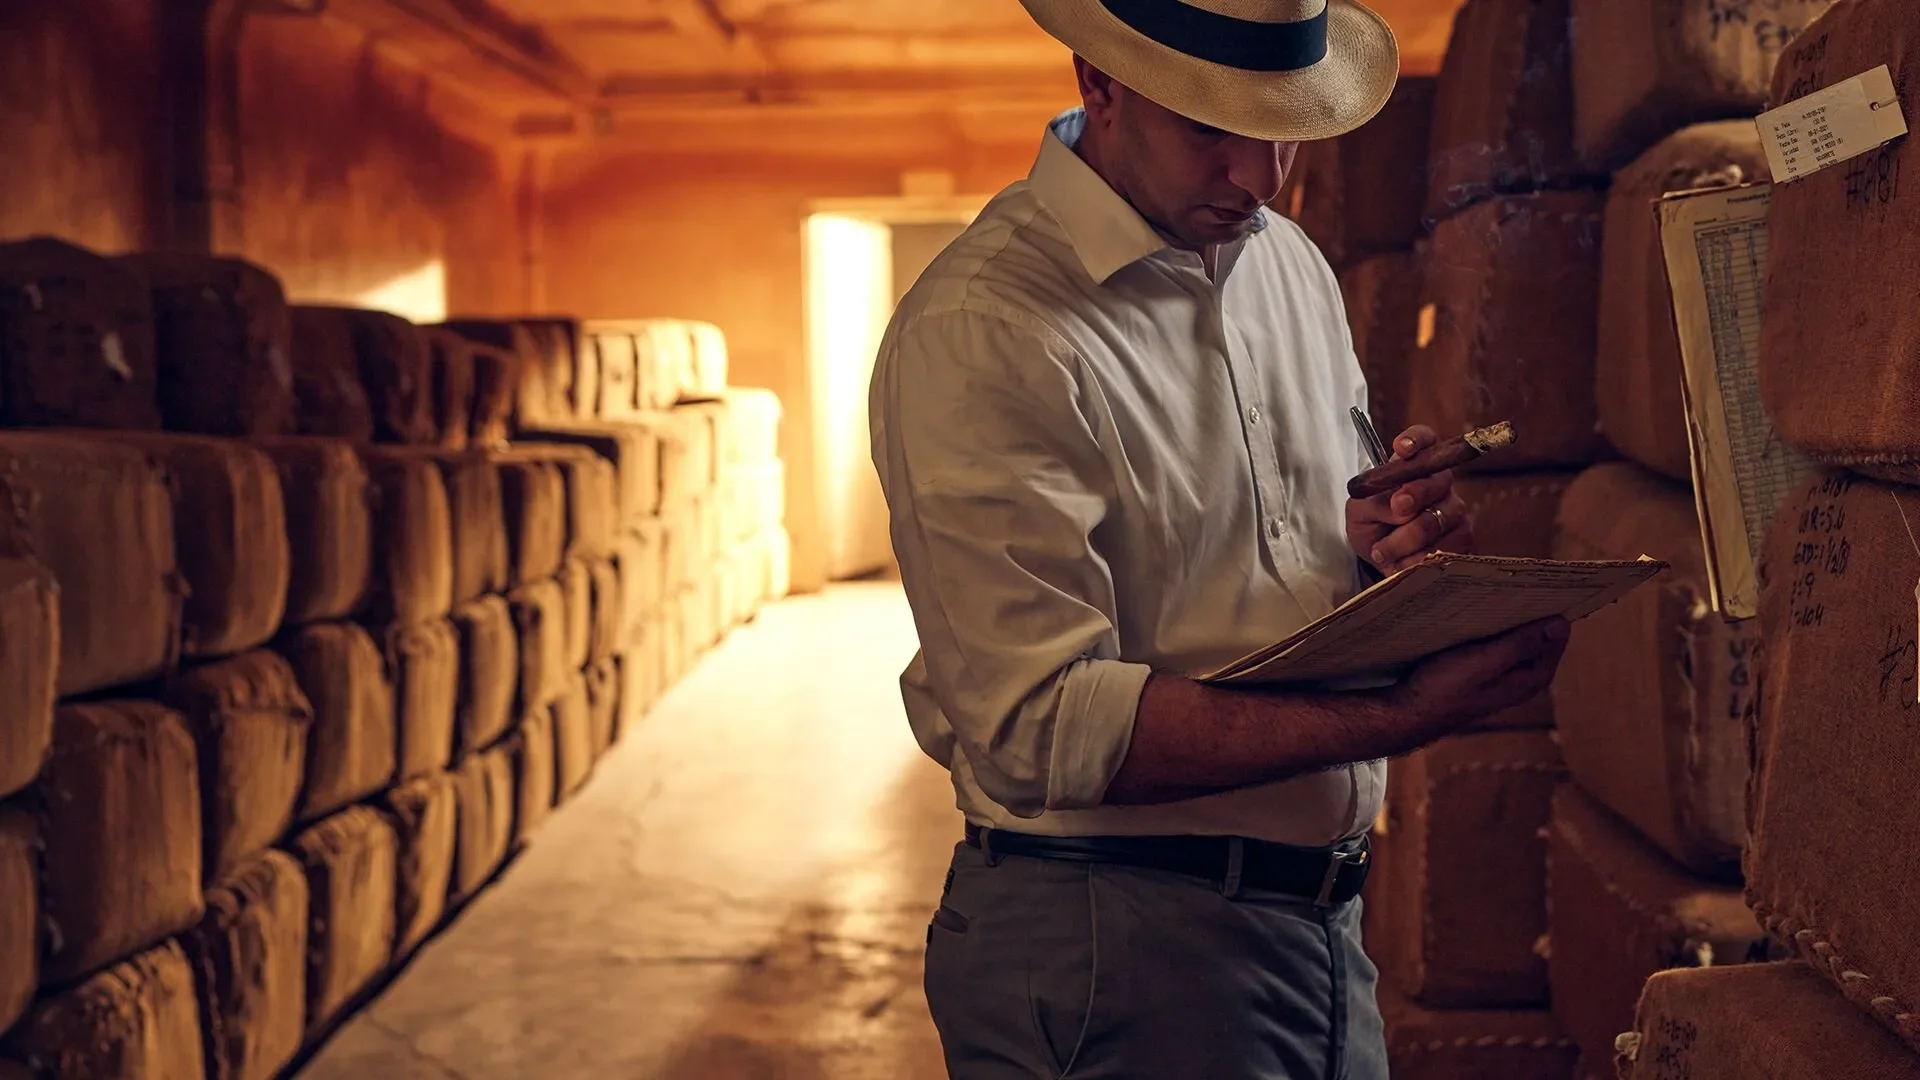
point(717, 237)
point(350, 172)
point(79, 124)
point(350, 175)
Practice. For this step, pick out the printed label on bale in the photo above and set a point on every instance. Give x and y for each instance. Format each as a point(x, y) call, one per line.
point(1832, 125)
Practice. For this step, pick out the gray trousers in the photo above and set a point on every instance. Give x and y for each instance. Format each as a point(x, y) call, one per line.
point(1041, 969)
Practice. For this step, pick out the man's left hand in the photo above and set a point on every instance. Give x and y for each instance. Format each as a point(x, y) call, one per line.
point(1403, 526)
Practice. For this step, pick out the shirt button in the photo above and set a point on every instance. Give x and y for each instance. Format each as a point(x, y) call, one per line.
point(1273, 528)
point(1253, 414)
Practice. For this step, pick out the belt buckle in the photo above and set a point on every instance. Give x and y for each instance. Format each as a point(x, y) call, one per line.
point(1336, 860)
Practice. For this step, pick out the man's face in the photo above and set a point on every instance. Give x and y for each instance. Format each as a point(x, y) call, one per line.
point(1199, 185)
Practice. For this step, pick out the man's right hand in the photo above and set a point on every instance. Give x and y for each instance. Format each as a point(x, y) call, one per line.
point(1464, 683)
point(1191, 739)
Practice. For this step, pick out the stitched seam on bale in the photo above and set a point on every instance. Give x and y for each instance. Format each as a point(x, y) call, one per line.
point(1858, 986)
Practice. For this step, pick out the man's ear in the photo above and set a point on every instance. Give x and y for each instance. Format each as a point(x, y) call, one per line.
point(1097, 88)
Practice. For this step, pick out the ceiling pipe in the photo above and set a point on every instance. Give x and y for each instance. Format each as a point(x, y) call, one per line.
point(200, 87)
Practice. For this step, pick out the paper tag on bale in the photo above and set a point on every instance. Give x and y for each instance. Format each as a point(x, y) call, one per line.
point(1829, 126)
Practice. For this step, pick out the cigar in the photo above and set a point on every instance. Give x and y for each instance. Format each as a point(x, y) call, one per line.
point(1439, 457)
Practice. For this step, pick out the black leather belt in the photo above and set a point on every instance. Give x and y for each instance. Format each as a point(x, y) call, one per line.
point(1322, 875)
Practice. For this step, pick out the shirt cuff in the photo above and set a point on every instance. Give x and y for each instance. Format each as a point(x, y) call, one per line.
point(1100, 700)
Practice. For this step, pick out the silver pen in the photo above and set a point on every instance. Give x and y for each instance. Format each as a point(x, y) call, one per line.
point(1369, 436)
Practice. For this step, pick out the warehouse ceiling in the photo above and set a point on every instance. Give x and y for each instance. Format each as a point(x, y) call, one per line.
point(619, 59)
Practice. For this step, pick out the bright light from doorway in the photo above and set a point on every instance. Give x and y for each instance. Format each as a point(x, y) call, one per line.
point(418, 295)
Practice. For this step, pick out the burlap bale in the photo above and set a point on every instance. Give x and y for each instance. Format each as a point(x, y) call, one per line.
point(250, 722)
point(734, 601)
point(706, 378)
point(639, 679)
point(29, 669)
point(593, 496)
point(250, 957)
point(680, 548)
point(1464, 818)
point(691, 461)
point(19, 912)
point(756, 498)
point(663, 361)
point(475, 513)
point(329, 503)
point(1472, 1045)
point(1650, 694)
point(779, 563)
point(395, 367)
point(576, 583)
point(496, 379)
point(1382, 299)
point(643, 571)
point(425, 662)
point(677, 647)
point(1755, 1022)
point(1362, 194)
point(452, 365)
point(331, 399)
point(544, 353)
point(607, 636)
point(98, 515)
point(1503, 107)
point(533, 500)
point(535, 771)
point(1513, 286)
point(540, 620)
point(755, 432)
point(618, 370)
point(1643, 68)
point(1513, 515)
point(139, 1019)
point(76, 339)
point(412, 537)
point(634, 449)
point(351, 862)
point(1829, 861)
point(426, 822)
point(352, 745)
point(484, 784)
point(603, 706)
point(489, 683)
point(1619, 910)
point(230, 539)
point(1637, 371)
point(119, 805)
point(223, 345)
point(1839, 363)
point(572, 737)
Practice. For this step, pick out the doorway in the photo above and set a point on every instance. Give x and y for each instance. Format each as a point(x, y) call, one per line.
point(861, 257)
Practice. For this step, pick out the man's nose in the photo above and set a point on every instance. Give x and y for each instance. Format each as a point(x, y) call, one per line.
point(1258, 167)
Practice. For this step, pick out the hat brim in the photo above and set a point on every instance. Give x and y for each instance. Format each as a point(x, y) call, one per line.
point(1343, 91)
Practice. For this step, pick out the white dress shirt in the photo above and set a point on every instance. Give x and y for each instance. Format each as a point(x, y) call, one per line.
point(1100, 462)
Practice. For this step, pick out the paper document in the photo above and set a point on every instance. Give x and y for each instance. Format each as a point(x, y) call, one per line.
point(1442, 601)
point(1715, 245)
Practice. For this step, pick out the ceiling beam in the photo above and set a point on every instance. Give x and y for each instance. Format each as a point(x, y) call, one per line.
point(496, 42)
point(880, 89)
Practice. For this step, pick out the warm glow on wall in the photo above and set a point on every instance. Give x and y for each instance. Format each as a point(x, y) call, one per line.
point(418, 295)
point(849, 299)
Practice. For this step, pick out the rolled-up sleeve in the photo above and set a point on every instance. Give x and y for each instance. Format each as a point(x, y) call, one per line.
point(997, 488)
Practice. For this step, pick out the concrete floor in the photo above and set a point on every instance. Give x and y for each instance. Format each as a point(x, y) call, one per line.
point(741, 891)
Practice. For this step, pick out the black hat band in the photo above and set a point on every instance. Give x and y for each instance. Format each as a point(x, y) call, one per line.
point(1223, 39)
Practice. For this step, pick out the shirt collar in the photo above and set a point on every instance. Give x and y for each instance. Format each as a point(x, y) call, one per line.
point(1105, 230)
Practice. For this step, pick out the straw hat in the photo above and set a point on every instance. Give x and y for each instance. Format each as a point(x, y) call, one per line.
point(1286, 70)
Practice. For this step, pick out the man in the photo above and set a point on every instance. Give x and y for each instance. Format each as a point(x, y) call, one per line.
point(1111, 422)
